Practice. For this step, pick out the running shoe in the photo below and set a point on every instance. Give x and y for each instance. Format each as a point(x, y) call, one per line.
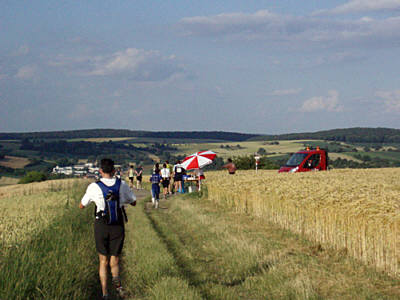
point(121, 292)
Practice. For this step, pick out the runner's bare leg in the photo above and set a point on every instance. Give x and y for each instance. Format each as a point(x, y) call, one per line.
point(114, 265)
point(103, 259)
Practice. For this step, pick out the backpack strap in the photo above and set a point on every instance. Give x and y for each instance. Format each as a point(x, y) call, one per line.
point(114, 188)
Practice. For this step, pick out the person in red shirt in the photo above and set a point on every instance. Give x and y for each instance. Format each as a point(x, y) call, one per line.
point(230, 166)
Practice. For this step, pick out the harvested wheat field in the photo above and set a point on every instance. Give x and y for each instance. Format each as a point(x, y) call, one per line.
point(14, 162)
point(353, 210)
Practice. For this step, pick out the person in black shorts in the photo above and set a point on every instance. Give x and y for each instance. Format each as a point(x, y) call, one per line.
point(139, 177)
point(131, 175)
point(109, 238)
point(178, 176)
point(165, 174)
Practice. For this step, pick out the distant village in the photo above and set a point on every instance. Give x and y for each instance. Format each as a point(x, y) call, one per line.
point(85, 170)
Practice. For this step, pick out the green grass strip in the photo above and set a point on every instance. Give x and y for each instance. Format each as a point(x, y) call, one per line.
point(59, 262)
point(149, 269)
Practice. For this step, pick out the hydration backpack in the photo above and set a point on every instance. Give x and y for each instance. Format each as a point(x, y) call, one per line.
point(112, 213)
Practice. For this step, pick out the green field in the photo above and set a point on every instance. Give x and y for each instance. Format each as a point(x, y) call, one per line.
point(384, 155)
point(246, 148)
point(282, 150)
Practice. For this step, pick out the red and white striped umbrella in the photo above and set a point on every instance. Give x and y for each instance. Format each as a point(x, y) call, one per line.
point(198, 160)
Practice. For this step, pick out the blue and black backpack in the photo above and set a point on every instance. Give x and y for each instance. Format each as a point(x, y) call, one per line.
point(112, 213)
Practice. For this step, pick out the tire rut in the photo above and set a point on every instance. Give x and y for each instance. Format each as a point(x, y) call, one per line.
point(185, 271)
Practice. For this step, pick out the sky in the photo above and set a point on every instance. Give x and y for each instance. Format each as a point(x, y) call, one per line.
point(265, 67)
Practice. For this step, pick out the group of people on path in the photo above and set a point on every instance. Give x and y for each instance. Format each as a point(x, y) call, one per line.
point(111, 194)
point(165, 176)
point(138, 173)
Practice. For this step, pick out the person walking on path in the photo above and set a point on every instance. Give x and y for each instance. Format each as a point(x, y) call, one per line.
point(155, 180)
point(109, 238)
point(230, 166)
point(165, 174)
point(178, 177)
point(171, 171)
point(131, 175)
point(139, 174)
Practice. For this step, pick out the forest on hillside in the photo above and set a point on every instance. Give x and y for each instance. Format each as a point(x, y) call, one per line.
point(114, 133)
point(350, 135)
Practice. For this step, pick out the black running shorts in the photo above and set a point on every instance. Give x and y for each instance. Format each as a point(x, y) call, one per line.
point(109, 238)
point(165, 183)
point(178, 177)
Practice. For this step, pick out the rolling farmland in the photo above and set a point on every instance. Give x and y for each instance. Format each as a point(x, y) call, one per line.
point(14, 162)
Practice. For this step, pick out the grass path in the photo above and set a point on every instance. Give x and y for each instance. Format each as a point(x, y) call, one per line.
point(190, 249)
point(150, 270)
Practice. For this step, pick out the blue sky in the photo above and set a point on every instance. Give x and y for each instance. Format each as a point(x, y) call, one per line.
point(247, 66)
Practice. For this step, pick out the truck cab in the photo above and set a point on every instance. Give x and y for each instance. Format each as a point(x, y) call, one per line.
point(307, 160)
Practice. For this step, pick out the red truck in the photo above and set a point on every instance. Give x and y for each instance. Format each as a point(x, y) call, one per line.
point(307, 160)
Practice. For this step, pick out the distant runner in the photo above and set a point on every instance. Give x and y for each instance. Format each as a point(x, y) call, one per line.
point(230, 166)
point(155, 180)
point(165, 174)
point(171, 171)
point(178, 177)
point(110, 194)
point(131, 175)
point(139, 174)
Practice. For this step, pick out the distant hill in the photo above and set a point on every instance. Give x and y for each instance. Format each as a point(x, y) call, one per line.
point(353, 135)
point(112, 133)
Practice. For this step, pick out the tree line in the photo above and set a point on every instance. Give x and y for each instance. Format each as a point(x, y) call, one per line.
point(349, 135)
point(112, 133)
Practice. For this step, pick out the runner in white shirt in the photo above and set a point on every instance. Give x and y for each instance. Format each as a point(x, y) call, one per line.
point(94, 194)
point(109, 238)
point(166, 175)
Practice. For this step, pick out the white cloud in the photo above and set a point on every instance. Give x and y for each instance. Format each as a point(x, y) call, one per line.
point(357, 6)
point(327, 103)
point(136, 64)
point(286, 92)
point(26, 72)
point(391, 100)
point(295, 30)
point(121, 61)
